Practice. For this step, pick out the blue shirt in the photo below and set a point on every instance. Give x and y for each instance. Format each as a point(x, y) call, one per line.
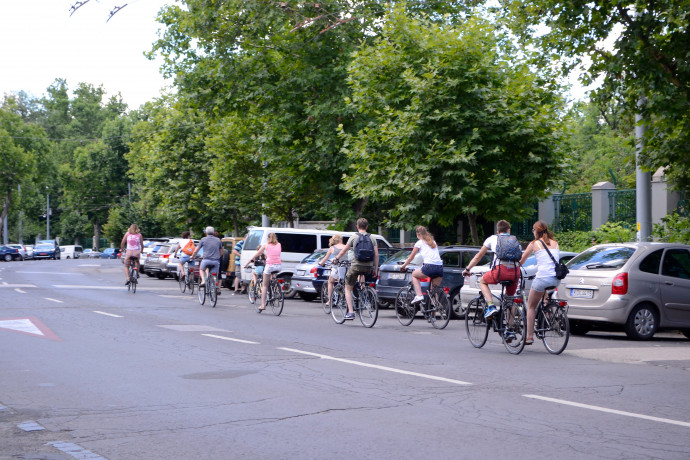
point(238, 248)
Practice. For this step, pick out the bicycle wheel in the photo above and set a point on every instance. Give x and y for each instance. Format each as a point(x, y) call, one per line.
point(368, 307)
point(251, 292)
point(557, 328)
point(325, 301)
point(201, 293)
point(404, 309)
point(277, 298)
point(129, 285)
point(338, 304)
point(134, 281)
point(182, 283)
point(440, 308)
point(476, 326)
point(212, 290)
point(190, 282)
point(515, 327)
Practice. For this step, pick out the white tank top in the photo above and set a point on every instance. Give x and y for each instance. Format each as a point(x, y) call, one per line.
point(545, 266)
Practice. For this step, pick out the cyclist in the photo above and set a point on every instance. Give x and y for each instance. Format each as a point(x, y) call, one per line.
point(212, 251)
point(546, 271)
point(335, 245)
point(237, 251)
point(186, 248)
point(259, 264)
point(272, 249)
point(502, 269)
point(363, 263)
point(432, 266)
point(135, 244)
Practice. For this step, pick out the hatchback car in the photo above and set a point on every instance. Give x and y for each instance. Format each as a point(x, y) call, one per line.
point(455, 259)
point(110, 253)
point(157, 261)
point(9, 254)
point(643, 287)
point(46, 251)
point(305, 274)
point(21, 248)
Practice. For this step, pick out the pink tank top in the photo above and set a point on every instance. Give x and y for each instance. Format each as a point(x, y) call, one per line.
point(273, 254)
point(133, 241)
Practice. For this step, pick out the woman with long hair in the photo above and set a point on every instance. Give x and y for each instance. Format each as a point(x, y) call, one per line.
point(432, 265)
point(546, 271)
point(335, 245)
point(272, 249)
point(135, 244)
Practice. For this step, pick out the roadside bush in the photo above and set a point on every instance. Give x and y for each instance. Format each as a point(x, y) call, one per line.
point(674, 229)
point(610, 232)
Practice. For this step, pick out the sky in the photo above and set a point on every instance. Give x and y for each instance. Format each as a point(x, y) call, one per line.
point(40, 42)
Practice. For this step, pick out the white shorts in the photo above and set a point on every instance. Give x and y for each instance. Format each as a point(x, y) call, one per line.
point(272, 268)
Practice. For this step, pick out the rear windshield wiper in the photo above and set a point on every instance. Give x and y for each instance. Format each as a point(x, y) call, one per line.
point(599, 265)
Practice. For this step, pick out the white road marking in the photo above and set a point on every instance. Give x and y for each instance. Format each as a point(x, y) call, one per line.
point(230, 339)
point(54, 300)
point(75, 451)
point(21, 325)
point(108, 314)
point(7, 285)
point(19, 291)
point(375, 366)
point(30, 426)
point(610, 411)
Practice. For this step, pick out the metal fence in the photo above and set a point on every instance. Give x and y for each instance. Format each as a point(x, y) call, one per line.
point(523, 230)
point(682, 208)
point(573, 212)
point(623, 206)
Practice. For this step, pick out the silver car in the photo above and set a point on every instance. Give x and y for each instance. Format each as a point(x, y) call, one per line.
point(644, 287)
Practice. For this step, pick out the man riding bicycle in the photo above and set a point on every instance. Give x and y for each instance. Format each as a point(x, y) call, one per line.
point(366, 261)
point(135, 244)
point(212, 247)
point(432, 265)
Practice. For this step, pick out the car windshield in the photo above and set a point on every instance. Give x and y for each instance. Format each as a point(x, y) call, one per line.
point(316, 256)
point(605, 257)
point(253, 240)
point(44, 246)
point(530, 263)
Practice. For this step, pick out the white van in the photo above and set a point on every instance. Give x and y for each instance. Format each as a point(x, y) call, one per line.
point(71, 251)
point(296, 244)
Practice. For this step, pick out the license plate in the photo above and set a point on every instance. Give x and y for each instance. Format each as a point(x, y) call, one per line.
point(396, 276)
point(326, 273)
point(582, 293)
point(300, 272)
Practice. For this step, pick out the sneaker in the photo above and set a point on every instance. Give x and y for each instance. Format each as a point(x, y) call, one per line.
point(417, 299)
point(127, 283)
point(490, 311)
point(349, 316)
point(509, 336)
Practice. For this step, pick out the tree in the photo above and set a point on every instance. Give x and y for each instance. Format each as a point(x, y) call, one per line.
point(452, 125)
point(639, 48)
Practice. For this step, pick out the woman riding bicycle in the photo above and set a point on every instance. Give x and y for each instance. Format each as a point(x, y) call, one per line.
point(135, 244)
point(546, 271)
point(432, 266)
point(336, 245)
point(272, 249)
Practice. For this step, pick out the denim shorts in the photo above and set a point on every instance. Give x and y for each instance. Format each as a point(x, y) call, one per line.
point(432, 270)
point(259, 269)
point(540, 284)
point(185, 258)
point(214, 265)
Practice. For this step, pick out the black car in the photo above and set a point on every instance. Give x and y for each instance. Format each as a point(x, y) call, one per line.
point(455, 259)
point(321, 277)
point(46, 251)
point(9, 254)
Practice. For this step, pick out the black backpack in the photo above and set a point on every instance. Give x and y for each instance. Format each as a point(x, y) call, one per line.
point(508, 248)
point(364, 248)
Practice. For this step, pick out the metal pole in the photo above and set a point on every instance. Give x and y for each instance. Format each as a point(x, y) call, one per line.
point(48, 217)
point(643, 181)
point(19, 193)
point(4, 229)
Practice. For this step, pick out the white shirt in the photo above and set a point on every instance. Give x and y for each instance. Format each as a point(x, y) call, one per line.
point(545, 266)
point(491, 243)
point(429, 255)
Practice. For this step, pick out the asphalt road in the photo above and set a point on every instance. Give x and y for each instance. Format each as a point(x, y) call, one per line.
point(88, 370)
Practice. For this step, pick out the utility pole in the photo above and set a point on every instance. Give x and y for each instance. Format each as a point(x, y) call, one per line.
point(19, 193)
point(643, 184)
point(47, 216)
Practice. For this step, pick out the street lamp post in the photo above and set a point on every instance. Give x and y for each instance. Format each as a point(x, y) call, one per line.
point(47, 215)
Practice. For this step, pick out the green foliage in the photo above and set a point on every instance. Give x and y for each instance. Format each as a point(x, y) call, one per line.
point(674, 229)
point(610, 232)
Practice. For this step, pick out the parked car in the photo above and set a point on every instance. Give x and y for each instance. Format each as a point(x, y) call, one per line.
point(529, 268)
point(89, 254)
point(643, 287)
point(71, 251)
point(228, 265)
point(455, 258)
point(150, 245)
point(46, 251)
point(110, 253)
point(20, 248)
point(157, 260)
point(29, 251)
point(305, 274)
point(9, 254)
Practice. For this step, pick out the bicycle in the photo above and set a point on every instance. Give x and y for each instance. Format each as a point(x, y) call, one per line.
point(186, 282)
point(325, 301)
point(254, 288)
point(274, 294)
point(364, 301)
point(509, 321)
point(133, 276)
point(210, 289)
point(435, 307)
point(551, 321)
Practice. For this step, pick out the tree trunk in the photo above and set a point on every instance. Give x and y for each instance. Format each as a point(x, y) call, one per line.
point(5, 212)
point(96, 236)
point(358, 208)
point(235, 224)
point(472, 218)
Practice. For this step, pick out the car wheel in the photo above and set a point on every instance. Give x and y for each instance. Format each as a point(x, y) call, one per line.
point(289, 293)
point(456, 305)
point(642, 322)
point(160, 275)
point(577, 328)
point(308, 296)
point(8, 258)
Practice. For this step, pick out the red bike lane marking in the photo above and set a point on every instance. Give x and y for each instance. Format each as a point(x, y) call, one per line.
point(29, 326)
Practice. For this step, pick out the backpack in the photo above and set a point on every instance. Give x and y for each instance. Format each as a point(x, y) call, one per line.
point(364, 248)
point(188, 248)
point(508, 248)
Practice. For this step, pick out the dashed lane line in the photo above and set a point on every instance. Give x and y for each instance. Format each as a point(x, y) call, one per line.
point(376, 366)
point(54, 300)
point(610, 411)
point(19, 291)
point(230, 339)
point(108, 314)
point(75, 451)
